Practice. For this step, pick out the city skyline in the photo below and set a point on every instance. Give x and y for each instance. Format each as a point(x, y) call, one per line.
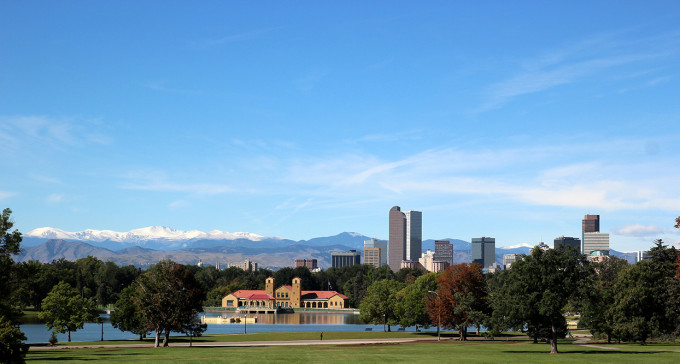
point(511, 120)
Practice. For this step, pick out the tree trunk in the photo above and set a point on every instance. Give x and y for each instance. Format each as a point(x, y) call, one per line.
point(389, 328)
point(609, 339)
point(69, 335)
point(478, 329)
point(536, 338)
point(158, 334)
point(553, 340)
point(166, 338)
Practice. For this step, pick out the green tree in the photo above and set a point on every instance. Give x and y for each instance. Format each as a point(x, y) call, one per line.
point(9, 244)
point(646, 297)
point(12, 348)
point(597, 312)
point(410, 307)
point(64, 310)
point(168, 297)
point(378, 305)
point(537, 288)
point(126, 316)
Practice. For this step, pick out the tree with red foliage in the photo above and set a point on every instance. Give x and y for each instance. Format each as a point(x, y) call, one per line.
point(462, 298)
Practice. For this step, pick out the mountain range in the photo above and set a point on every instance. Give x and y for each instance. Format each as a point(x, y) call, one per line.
point(146, 246)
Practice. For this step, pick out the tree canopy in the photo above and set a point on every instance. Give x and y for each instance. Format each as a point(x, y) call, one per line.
point(64, 310)
point(168, 298)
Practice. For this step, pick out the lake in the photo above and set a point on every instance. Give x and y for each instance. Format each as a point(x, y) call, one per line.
point(36, 332)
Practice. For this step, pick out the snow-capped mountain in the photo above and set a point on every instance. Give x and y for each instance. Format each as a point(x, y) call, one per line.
point(521, 245)
point(136, 236)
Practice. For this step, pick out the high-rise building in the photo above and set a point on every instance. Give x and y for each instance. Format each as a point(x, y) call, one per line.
point(589, 224)
point(595, 242)
point(405, 237)
point(396, 250)
point(592, 239)
point(443, 251)
point(414, 235)
point(483, 251)
point(310, 264)
point(382, 253)
point(565, 241)
point(344, 259)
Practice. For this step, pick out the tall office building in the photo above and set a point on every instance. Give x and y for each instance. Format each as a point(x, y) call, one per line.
point(566, 241)
point(483, 251)
point(405, 237)
point(591, 224)
point(375, 257)
point(595, 242)
point(414, 235)
point(344, 259)
point(396, 250)
point(592, 239)
point(443, 251)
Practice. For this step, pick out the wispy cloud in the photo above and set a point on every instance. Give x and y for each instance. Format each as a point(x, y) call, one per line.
point(156, 181)
point(6, 194)
point(639, 231)
point(603, 184)
point(18, 131)
point(233, 38)
point(55, 198)
point(311, 79)
point(574, 63)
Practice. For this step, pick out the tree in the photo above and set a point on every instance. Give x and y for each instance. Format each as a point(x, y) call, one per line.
point(64, 310)
point(410, 307)
point(378, 305)
point(646, 297)
point(9, 245)
point(597, 312)
point(168, 297)
point(537, 288)
point(12, 348)
point(126, 317)
point(461, 299)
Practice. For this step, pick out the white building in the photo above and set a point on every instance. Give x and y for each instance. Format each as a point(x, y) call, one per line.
point(595, 241)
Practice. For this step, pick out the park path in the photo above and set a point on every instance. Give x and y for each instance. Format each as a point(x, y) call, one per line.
point(584, 340)
point(248, 343)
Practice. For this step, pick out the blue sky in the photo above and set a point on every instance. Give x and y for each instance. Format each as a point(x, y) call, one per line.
point(304, 119)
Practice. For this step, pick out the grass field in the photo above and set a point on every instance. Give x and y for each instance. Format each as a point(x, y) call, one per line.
point(475, 351)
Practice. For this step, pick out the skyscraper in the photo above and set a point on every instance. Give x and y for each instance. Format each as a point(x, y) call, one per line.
point(405, 238)
point(443, 251)
point(396, 249)
point(591, 224)
point(483, 251)
point(414, 235)
point(592, 239)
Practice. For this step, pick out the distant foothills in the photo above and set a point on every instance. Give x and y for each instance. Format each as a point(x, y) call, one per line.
point(146, 246)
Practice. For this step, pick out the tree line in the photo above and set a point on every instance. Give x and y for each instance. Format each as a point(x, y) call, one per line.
point(614, 299)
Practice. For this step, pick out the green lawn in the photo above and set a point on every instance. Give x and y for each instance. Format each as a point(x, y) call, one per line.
point(478, 351)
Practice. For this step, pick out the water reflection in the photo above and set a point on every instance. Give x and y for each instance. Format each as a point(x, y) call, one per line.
point(36, 332)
